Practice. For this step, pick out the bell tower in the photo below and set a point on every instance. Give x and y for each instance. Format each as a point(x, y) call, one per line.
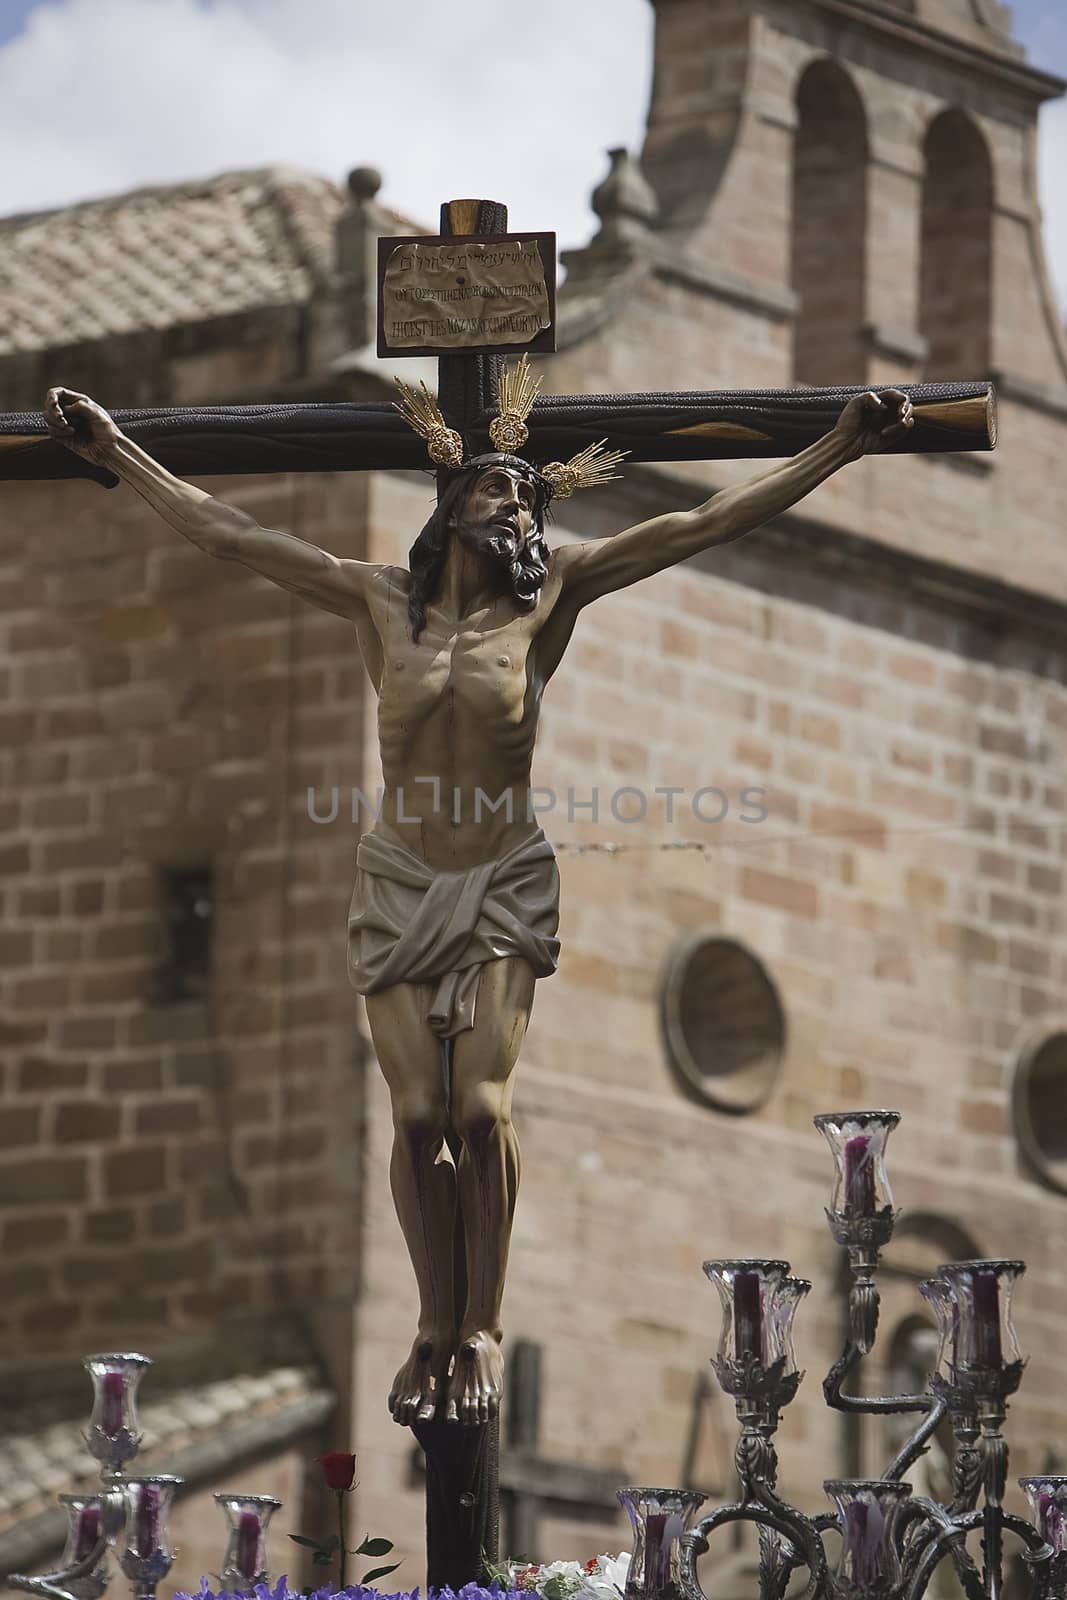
point(866, 168)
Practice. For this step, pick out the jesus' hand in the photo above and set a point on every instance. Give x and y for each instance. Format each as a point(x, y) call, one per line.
point(873, 421)
point(79, 423)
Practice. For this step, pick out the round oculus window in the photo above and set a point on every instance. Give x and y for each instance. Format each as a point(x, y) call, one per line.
point(1039, 1107)
point(723, 1022)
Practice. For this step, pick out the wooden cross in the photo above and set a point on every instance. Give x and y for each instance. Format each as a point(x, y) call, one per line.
point(527, 1479)
point(462, 1476)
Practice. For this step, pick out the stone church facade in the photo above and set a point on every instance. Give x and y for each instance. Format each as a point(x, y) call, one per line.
point(193, 1134)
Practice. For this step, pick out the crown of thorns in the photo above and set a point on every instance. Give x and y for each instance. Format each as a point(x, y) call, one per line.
point(518, 390)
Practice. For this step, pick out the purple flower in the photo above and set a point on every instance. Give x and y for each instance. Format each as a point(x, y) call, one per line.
point(282, 1591)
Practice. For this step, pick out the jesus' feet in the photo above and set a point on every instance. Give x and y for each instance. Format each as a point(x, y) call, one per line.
point(419, 1385)
point(477, 1380)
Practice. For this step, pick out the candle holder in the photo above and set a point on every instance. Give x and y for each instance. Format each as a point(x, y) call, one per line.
point(960, 1404)
point(95, 1520)
point(860, 1213)
point(1048, 1502)
point(247, 1517)
point(756, 1365)
point(146, 1555)
point(980, 1362)
point(81, 1574)
point(659, 1518)
point(114, 1434)
point(88, 1529)
point(755, 1362)
point(868, 1510)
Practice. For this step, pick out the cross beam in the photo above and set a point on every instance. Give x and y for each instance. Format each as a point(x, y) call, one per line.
point(712, 425)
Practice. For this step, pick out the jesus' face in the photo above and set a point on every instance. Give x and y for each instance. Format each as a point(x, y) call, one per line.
point(497, 514)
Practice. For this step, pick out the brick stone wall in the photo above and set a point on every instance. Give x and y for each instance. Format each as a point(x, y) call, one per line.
point(166, 1164)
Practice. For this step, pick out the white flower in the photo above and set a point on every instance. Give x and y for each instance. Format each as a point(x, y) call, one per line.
point(607, 1581)
point(603, 1578)
point(559, 1580)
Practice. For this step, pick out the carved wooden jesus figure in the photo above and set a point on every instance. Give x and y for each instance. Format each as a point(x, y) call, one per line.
point(455, 908)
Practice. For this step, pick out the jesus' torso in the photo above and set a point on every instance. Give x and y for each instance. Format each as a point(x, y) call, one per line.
point(457, 717)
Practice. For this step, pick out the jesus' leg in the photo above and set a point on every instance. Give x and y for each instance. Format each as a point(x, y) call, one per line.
point(424, 1188)
point(488, 1178)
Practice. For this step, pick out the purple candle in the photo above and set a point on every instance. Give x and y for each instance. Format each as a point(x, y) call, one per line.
point(865, 1540)
point(985, 1294)
point(748, 1316)
point(246, 1557)
point(146, 1522)
point(657, 1552)
point(112, 1403)
point(856, 1539)
point(1053, 1524)
point(859, 1175)
point(88, 1532)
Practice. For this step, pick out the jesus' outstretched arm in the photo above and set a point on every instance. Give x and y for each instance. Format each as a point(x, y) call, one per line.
point(868, 423)
point(330, 582)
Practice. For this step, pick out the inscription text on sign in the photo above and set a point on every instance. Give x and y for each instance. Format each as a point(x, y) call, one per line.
point(440, 296)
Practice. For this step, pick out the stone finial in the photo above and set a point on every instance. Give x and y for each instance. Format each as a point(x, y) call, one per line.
point(355, 233)
point(625, 203)
point(364, 182)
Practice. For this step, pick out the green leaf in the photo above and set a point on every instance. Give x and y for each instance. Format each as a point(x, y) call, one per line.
point(499, 1575)
point(322, 1558)
point(375, 1547)
point(378, 1572)
point(309, 1544)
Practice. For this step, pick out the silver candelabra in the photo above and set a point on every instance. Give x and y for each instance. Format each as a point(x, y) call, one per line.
point(891, 1539)
point(130, 1513)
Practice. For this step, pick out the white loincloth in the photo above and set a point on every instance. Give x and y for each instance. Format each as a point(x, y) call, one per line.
point(410, 924)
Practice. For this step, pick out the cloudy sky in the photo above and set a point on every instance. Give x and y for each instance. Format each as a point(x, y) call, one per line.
point(446, 97)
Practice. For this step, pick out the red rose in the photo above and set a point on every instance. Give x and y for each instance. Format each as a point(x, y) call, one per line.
point(338, 1468)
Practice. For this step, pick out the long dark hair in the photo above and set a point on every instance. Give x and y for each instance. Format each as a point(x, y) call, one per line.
point(427, 556)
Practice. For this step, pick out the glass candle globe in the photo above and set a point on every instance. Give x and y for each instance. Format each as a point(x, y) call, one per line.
point(247, 1516)
point(860, 1191)
point(982, 1334)
point(114, 1432)
point(759, 1302)
point(867, 1513)
point(1048, 1501)
point(658, 1518)
point(86, 1527)
point(146, 1555)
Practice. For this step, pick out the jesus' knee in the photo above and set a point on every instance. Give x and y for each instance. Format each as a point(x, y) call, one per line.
point(480, 1112)
point(420, 1118)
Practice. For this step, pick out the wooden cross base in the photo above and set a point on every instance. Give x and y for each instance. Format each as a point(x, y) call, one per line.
point(462, 1500)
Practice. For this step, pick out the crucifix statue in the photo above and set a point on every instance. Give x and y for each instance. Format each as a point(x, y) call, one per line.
point(455, 908)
